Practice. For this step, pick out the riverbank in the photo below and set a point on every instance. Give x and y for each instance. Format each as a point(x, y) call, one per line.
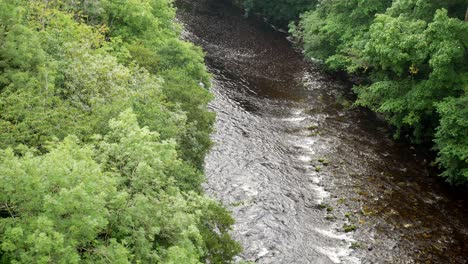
point(308, 178)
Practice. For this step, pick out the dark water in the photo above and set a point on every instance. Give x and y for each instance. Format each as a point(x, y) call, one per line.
point(295, 163)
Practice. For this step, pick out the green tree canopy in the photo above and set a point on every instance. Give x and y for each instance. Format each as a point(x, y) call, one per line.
point(103, 130)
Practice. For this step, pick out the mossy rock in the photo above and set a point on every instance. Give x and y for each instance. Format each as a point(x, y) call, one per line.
point(349, 228)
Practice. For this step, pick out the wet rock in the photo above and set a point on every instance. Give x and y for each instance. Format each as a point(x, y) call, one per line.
point(330, 217)
point(325, 206)
point(324, 161)
point(349, 228)
point(355, 245)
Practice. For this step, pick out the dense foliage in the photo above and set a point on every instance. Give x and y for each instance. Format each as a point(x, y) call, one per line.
point(279, 12)
point(413, 54)
point(104, 127)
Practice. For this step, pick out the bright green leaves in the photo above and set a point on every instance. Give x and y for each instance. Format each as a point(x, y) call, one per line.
point(424, 63)
point(155, 178)
point(336, 32)
point(152, 39)
point(308, 30)
point(396, 47)
point(21, 49)
point(420, 9)
point(396, 43)
point(448, 43)
point(52, 204)
point(93, 80)
point(137, 153)
point(116, 75)
point(414, 53)
point(130, 18)
point(401, 44)
point(135, 205)
point(215, 225)
point(452, 138)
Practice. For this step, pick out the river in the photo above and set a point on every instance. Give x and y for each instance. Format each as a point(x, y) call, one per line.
point(308, 177)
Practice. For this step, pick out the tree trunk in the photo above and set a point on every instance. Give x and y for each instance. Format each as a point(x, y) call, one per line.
point(466, 15)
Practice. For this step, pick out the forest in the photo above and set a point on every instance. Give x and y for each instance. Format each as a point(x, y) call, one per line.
point(103, 131)
point(105, 120)
point(409, 57)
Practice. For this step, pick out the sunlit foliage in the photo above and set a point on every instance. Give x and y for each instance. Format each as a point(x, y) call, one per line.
point(104, 127)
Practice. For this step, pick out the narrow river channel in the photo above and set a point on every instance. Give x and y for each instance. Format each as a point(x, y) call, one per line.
point(309, 178)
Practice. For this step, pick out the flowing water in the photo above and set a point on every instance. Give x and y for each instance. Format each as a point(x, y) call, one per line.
point(298, 166)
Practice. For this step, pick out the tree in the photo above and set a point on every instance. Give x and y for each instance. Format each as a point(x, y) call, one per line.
point(411, 57)
point(53, 206)
point(105, 126)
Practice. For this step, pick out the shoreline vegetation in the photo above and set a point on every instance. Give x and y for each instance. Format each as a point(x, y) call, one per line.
point(103, 131)
point(408, 55)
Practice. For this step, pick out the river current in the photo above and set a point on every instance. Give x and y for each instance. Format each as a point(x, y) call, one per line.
point(308, 177)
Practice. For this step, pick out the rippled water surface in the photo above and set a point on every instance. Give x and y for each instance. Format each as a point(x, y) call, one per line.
point(298, 166)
